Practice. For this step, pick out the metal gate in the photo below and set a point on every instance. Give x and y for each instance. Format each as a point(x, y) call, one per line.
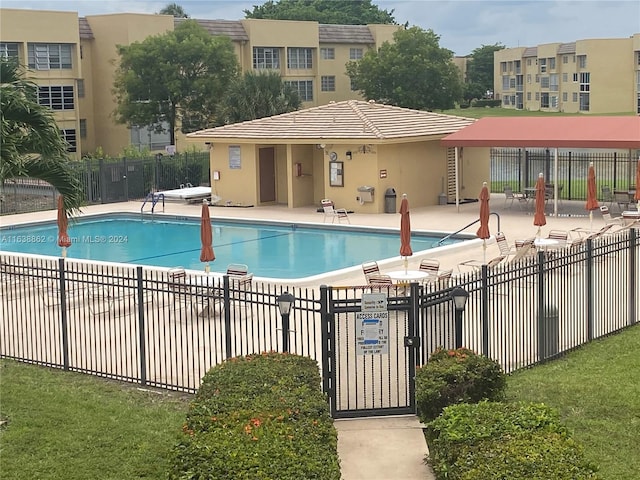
point(370, 353)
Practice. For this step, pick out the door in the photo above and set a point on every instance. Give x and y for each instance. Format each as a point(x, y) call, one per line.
point(267, 166)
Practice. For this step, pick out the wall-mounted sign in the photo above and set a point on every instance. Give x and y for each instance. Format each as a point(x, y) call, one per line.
point(234, 157)
point(383, 174)
point(336, 178)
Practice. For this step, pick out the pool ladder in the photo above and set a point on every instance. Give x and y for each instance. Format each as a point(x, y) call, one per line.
point(154, 198)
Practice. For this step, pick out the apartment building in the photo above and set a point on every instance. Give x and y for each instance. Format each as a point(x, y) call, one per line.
point(73, 61)
point(597, 76)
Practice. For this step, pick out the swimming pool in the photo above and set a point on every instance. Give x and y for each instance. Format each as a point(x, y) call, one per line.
point(280, 250)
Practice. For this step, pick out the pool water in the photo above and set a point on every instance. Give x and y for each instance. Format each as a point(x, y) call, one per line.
point(270, 250)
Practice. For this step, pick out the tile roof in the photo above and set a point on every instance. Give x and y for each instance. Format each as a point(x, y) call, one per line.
point(567, 48)
point(85, 28)
point(231, 28)
point(345, 34)
point(351, 119)
point(530, 52)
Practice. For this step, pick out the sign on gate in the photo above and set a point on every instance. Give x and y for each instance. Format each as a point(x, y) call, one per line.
point(372, 325)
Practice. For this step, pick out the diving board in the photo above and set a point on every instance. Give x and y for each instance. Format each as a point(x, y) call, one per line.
point(189, 193)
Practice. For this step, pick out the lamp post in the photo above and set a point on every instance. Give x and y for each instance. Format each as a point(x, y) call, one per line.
point(285, 303)
point(459, 296)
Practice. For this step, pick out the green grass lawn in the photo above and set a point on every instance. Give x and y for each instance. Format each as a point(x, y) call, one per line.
point(68, 426)
point(597, 391)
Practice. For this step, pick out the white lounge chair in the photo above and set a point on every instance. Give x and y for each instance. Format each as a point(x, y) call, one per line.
point(608, 219)
point(331, 212)
point(370, 268)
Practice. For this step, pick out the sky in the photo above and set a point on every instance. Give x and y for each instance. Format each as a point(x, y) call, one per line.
point(462, 25)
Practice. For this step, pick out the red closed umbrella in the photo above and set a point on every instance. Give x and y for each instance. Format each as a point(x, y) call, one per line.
point(63, 237)
point(405, 230)
point(483, 231)
point(637, 194)
point(206, 237)
point(592, 195)
point(539, 218)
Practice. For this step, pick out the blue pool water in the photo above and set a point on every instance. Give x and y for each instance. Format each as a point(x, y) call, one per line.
point(270, 250)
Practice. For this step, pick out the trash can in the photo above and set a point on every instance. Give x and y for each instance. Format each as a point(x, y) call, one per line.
point(390, 201)
point(548, 332)
point(442, 199)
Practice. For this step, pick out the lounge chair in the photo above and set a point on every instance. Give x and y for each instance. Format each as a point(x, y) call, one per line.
point(510, 196)
point(477, 264)
point(185, 295)
point(525, 250)
point(240, 280)
point(590, 234)
point(444, 278)
point(331, 212)
point(503, 245)
point(607, 195)
point(608, 219)
point(560, 236)
point(370, 268)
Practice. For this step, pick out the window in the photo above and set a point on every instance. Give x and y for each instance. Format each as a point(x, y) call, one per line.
point(544, 100)
point(544, 82)
point(9, 50)
point(528, 78)
point(266, 58)
point(503, 67)
point(49, 56)
point(506, 100)
point(565, 97)
point(510, 66)
point(519, 83)
point(542, 65)
point(355, 53)
point(565, 59)
point(565, 77)
point(582, 61)
point(328, 53)
point(574, 97)
point(638, 81)
point(537, 96)
point(328, 83)
point(512, 82)
point(584, 81)
point(638, 58)
point(303, 87)
point(56, 98)
point(552, 63)
point(528, 62)
point(147, 137)
point(299, 58)
point(528, 96)
point(69, 135)
point(80, 87)
point(537, 78)
point(83, 128)
point(517, 66)
point(505, 82)
point(553, 101)
point(584, 102)
point(352, 85)
point(638, 105)
point(575, 78)
point(553, 82)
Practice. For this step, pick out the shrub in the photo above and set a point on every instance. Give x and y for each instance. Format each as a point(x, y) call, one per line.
point(504, 441)
point(259, 417)
point(486, 103)
point(456, 376)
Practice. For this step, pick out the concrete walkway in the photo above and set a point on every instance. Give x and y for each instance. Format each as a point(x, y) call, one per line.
point(382, 448)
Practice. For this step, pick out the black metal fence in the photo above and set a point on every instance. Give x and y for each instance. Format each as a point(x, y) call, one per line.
point(519, 168)
point(136, 324)
point(111, 180)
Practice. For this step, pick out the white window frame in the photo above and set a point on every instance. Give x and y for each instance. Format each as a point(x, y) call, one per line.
point(56, 97)
point(83, 128)
point(585, 84)
point(327, 53)
point(356, 53)
point(9, 50)
point(266, 58)
point(544, 100)
point(69, 135)
point(542, 65)
point(328, 83)
point(584, 102)
point(554, 84)
point(50, 56)
point(303, 87)
point(299, 58)
point(582, 61)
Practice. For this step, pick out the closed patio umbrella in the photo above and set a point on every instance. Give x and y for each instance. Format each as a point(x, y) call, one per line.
point(63, 237)
point(483, 231)
point(206, 237)
point(592, 197)
point(637, 194)
point(405, 231)
point(539, 218)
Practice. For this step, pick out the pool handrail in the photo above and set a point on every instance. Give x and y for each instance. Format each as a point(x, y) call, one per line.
point(155, 198)
point(439, 242)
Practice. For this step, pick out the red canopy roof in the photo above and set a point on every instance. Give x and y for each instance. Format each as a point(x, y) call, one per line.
point(552, 132)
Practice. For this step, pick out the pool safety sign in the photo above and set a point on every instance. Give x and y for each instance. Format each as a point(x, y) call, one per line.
point(372, 325)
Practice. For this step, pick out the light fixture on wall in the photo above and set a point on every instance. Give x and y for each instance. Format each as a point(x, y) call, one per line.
point(348, 155)
point(208, 145)
point(366, 149)
point(320, 146)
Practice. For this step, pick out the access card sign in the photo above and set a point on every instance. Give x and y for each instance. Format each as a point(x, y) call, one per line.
point(372, 333)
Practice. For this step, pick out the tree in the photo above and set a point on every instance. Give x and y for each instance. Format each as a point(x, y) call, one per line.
point(258, 95)
point(174, 9)
point(480, 66)
point(175, 78)
point(30, 142)
point(411, 72)
point(341, 12)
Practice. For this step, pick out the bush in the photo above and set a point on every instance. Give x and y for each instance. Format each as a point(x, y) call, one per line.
point(486, 103)
point(504, 441)
point(456, 376)
point(259, 417)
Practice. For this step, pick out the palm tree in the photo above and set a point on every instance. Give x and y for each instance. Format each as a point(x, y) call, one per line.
point(30, 142)
point(257, 95)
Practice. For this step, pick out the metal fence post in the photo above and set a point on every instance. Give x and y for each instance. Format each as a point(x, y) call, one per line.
point(125, 179)
point(633, 279)
point(485, 310)
point(590, 288)
point(63, 315)
point(227, 315)
point(142, 346)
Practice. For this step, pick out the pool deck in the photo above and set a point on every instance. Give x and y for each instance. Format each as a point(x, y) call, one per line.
point(514, 222)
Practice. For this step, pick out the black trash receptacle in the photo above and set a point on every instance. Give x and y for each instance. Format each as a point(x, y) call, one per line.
point(390, 201)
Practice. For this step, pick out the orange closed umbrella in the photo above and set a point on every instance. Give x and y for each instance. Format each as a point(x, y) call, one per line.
point(206, 237)
point(405, 230)
point(63, 237)
point(637, 194)
point(539, 218)
point(483, 231)
point(592, 196)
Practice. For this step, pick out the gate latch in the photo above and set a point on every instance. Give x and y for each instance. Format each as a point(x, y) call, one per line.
point(412, 342)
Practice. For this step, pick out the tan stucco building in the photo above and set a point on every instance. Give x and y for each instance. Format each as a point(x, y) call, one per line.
point(598, 76)
point(73, 59)
point(350, 152)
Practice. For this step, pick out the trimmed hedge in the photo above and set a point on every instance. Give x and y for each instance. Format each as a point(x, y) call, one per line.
point(259, 417)
point(486, 103)
point(456, 376)
point(514, 441)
